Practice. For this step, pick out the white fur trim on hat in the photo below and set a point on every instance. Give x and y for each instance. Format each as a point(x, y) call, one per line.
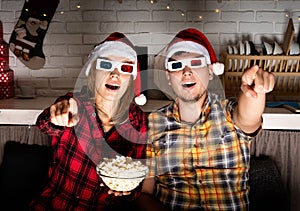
point(188, 46)
point(140, 100)
point(112, 48)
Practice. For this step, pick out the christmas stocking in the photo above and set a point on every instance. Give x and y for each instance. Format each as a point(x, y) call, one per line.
point(26, 40)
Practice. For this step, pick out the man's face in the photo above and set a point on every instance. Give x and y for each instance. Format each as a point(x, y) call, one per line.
point(190, 83)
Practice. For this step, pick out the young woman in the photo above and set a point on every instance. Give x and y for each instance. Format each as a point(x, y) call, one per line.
point(91, 125)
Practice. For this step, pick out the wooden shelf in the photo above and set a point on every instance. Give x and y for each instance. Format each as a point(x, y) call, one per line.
point(25, 111)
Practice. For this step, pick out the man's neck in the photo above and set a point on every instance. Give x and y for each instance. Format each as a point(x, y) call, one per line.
point(190, 111)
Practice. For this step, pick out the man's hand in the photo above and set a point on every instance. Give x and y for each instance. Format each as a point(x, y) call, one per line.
point(256, 81)
point(64, 113)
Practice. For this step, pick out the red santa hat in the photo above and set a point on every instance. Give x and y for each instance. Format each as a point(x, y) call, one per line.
point(193, 41)
point(118, 44)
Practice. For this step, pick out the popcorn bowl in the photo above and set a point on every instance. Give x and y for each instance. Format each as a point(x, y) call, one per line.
point(122, 174)
point(123, 182)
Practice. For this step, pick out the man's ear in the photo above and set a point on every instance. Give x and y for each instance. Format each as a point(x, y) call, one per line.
point(168, 76)
point(210, 71)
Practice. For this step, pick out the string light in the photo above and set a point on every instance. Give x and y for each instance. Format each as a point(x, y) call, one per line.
point(153, 1)
point(200, 17)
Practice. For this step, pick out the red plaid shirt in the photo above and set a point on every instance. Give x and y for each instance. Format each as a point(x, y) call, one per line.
point(73, 182)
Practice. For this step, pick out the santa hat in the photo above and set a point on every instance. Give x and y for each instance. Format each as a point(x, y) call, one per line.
point(193, 41)
point(117, 44)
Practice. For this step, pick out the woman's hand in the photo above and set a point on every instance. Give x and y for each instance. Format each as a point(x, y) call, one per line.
point(64, 113)
point(117, 193)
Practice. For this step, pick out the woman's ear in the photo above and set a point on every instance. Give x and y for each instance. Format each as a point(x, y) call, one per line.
point(210, 71)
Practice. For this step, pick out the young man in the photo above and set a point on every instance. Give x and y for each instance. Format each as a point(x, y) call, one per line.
point(199, 145)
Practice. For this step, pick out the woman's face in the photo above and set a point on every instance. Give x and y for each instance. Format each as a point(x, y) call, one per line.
point(111, 85)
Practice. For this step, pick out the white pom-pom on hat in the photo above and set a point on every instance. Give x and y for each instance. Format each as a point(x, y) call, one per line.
point(218, 68)
point(140, 100)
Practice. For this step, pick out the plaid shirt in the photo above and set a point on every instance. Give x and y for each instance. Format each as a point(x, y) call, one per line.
point(203, 165)
point(73, 181)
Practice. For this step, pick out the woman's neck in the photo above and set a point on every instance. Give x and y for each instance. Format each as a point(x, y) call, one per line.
point(105, 110)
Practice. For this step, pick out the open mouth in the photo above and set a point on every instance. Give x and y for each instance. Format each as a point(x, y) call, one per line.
point(188, 84)
point(112, 87)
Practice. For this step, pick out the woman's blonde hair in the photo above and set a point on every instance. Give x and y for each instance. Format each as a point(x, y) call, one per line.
point(122, 106)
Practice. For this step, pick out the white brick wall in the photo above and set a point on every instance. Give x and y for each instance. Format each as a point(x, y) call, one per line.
point(71, 35)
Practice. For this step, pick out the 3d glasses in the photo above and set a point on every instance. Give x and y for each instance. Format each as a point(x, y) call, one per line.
point(109, 66)
point(191, 62)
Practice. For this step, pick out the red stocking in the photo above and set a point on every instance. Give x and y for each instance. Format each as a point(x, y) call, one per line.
point(27, 38)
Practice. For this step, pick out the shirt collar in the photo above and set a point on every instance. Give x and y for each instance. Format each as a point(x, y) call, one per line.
point(205, 108)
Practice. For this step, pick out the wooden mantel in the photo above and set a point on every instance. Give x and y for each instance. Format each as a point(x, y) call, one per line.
point(16, 111)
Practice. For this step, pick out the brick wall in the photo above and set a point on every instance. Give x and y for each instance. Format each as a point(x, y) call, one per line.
point(71, 35)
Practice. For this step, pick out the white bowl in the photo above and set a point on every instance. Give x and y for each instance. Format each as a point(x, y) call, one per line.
point(267, 48)
point(242, 48)
point(125, 181)
point(294, 49)
point(247, 48)
point(121, 173)
point(229, 49)
point(277, 49)
point(235, 50)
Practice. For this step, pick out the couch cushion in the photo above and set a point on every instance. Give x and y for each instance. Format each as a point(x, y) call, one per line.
point(23, 173)
point(266, 188)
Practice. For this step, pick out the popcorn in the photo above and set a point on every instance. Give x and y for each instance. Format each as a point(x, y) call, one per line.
point(121, 173)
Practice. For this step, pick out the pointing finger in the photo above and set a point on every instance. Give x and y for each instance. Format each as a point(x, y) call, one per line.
point(249, 75)
point(73, 113)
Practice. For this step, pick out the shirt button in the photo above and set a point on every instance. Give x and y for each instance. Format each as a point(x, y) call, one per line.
point(222, 136)
point(93, 114)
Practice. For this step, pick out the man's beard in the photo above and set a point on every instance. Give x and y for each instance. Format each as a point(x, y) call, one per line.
point(192, 100)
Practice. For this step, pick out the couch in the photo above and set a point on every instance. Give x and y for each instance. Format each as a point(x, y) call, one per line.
point(24, 168)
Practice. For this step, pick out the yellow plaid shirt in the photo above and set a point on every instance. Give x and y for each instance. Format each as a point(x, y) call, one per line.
point(203, 165)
